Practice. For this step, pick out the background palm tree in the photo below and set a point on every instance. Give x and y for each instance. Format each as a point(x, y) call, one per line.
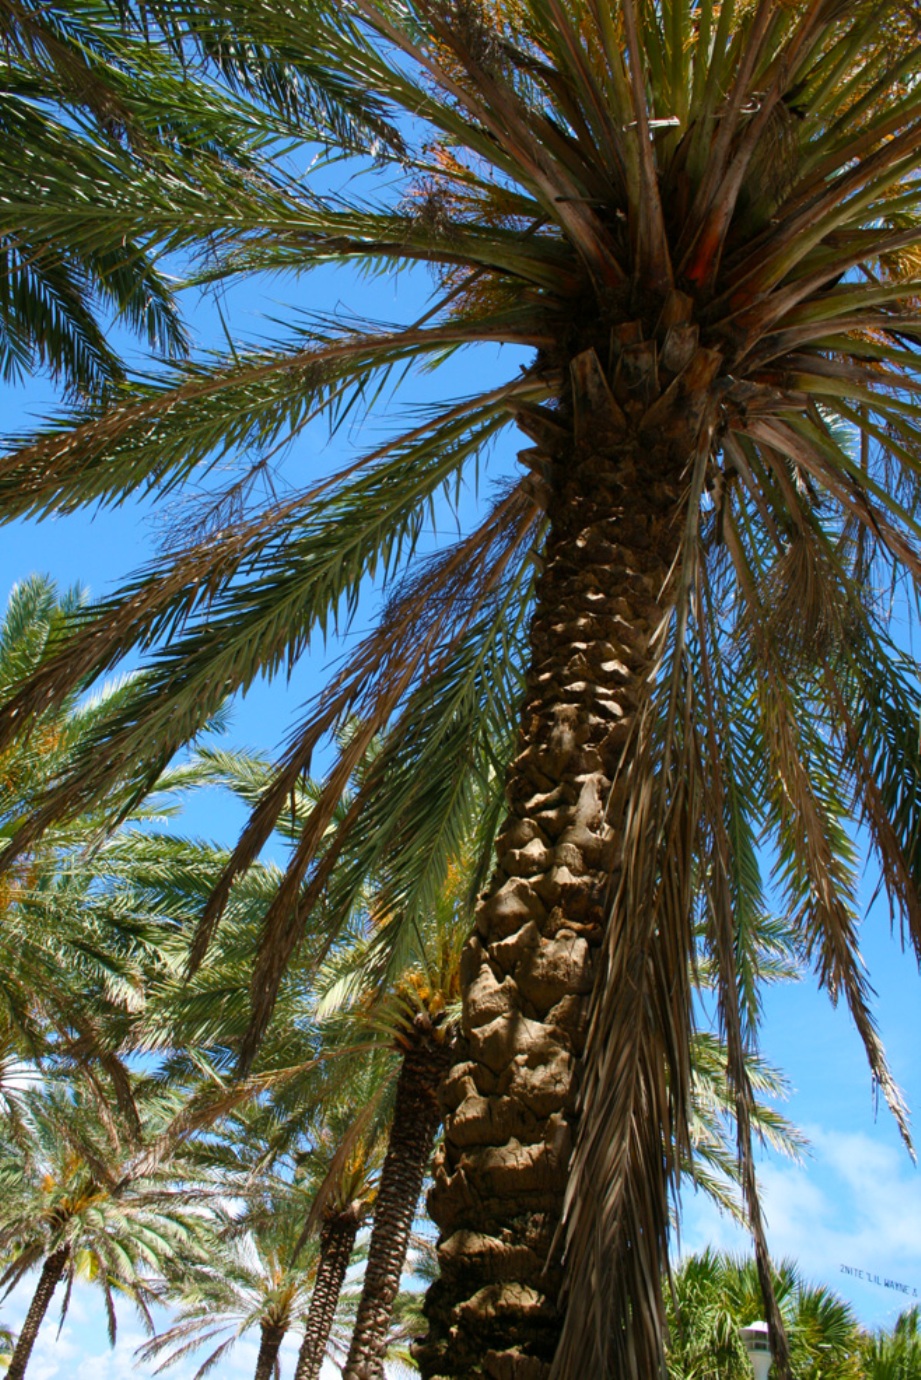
point(373, 1031)
point(410, 997)
point(344, 1202)
point(74, 1203)
point(717, 1295)
point(894, 1354)
point(701, 222)
point(325, 1095)
point(253, 1279)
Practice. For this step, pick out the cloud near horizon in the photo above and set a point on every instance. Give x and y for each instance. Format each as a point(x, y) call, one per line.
point(856, 1202)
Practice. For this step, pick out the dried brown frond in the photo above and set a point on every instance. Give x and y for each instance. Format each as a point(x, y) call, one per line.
point(470, 34)
point(633, 1099)
point(806, 610)
point(634, 1096)
point(715, 876)
point(901, 887)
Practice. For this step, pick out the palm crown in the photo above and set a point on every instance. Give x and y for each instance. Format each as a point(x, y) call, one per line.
point(702, 222)
point(255, 1277)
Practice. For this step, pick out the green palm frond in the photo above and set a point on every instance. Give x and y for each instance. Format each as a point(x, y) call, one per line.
point(894, 1354)
point(121, 152)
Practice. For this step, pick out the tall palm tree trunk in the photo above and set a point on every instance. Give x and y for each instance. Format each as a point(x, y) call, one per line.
point(273, 1334)
point(616, 526)
point(416, 1117)
point(337, 1241)
point(52, 1270)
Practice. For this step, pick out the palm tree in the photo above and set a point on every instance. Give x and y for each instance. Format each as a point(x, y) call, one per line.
point(701, 224)
point(74, 1203)
point(413, 1003)
point(379, 1021)
point(253, 1279)
point(321, 1104)
point(347, 1197)
point(895, 1354)
point(716, 1295)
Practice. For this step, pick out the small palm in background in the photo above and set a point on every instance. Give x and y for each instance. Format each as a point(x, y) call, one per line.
point(716, 1295)
point(895, 1354)
point(253, 1280)
point(81, 1199)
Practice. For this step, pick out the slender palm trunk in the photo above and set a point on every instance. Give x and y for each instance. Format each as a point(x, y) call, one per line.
point(337, 1241)
point(615, 531)
point(273, 1334)
point(416, 1118)
point(52, 1270)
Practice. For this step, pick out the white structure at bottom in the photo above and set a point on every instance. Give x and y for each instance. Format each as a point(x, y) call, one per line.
point(758, 1345)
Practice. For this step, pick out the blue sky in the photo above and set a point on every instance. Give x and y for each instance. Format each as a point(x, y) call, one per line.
point(855, 1201)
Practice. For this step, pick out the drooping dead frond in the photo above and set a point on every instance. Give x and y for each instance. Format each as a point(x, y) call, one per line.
point(814, 857)
point(638, 1068)
point(634, 1097)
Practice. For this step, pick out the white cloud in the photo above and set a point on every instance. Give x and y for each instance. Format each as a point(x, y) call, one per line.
point(855, 1202)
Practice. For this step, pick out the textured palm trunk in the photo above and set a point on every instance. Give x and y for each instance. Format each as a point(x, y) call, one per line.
point(416, 1118)
point(48, 1280)
point(337, 1241)
point(615, 531)
point(273, 1334)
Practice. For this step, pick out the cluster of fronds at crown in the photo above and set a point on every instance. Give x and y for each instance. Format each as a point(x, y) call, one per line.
point(69, 1185)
